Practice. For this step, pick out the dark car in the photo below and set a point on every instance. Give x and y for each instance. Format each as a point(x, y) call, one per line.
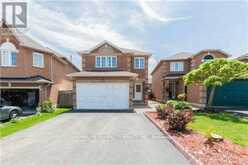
point(7, 111)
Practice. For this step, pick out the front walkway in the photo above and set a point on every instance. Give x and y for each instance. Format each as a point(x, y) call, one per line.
point(91, 138)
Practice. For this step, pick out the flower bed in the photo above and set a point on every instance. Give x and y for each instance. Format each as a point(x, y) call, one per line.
point(224, 153)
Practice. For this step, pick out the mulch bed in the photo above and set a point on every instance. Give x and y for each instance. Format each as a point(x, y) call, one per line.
point(224, 152)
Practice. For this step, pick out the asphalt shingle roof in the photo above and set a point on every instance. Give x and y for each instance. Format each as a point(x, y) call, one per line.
point(179, 56)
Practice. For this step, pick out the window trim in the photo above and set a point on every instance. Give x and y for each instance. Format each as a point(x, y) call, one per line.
point(42, 63)
point(9, 54)
point(180, 67)
point(203, 58)
point(106, 62)
point(139, 63)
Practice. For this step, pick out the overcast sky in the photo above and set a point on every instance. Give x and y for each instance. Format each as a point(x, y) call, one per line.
point(160, 27)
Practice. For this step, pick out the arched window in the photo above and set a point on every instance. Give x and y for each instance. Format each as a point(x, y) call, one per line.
point(8, 53)
point(207, 58)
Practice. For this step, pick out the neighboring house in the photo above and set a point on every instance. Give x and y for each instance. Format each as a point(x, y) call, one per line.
point(112, 78)
point(29, 72)
point(167, 77)
point(243, 58)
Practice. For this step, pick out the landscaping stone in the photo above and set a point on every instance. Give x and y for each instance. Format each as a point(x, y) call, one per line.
point(197, 146)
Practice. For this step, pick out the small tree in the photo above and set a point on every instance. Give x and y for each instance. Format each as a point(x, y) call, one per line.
point(216, 73)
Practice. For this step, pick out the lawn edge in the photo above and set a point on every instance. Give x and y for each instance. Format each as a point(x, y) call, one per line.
point(2, 137)
point(178, 146)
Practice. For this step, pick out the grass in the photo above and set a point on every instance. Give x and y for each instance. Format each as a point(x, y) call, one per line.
point(17, 125)
point(227, 125)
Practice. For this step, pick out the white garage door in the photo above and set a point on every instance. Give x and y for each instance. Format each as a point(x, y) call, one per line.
point(102, 95)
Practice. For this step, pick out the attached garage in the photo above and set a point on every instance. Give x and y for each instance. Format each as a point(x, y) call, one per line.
point(24, 98)
point(233, 95)
point(103, 90)
point(108, 95)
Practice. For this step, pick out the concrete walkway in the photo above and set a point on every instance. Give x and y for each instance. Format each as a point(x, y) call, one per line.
point(91, 139)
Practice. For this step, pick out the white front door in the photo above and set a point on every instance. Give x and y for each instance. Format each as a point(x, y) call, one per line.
point(109, 95)
point(138, 94)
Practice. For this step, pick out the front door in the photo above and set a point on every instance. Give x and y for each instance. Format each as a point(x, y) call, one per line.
point(138, 94)
point(172, 90)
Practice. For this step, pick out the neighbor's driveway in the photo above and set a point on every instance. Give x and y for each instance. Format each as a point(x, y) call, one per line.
point(91, 138)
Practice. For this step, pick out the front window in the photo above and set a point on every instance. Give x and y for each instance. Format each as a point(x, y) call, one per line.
point(177, 66)
point(38, 60)
point(207, 58)
point(106, 62)
point(139, 62)
point(8, 54)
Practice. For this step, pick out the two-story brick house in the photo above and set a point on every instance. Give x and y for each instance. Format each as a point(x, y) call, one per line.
point(112, 78)
point(167, 77)
point(29, 72)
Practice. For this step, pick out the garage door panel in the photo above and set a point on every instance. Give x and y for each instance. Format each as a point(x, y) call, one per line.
point(102, 95)
point(234, 94)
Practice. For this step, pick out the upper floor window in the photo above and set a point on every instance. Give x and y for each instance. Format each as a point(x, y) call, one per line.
point(207, 58)
point(139, 63)
point(106, 62)
point(8, 54)
point(176, 66)
point(38, 59)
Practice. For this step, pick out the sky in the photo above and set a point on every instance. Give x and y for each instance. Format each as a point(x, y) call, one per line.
point(160, 27)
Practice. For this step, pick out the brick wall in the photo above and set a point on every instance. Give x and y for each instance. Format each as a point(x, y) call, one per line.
point(197, 93)
point(54, 69)
point(125, 62)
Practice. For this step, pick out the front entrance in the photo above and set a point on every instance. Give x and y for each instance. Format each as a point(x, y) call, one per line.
point(138, 91)
point(172, 92)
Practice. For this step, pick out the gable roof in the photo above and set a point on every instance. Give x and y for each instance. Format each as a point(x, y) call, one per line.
point(123, 50)
point(27, 41)
point(179, 56)
point(213, 50)
point(185, 56)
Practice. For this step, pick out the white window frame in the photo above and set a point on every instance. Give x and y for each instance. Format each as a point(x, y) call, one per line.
point(177, 66)
point(41, 64)
point(106, 63)
point(139, 65)
point(7, 53)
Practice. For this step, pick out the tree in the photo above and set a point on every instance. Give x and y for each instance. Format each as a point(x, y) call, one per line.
point(216, 73)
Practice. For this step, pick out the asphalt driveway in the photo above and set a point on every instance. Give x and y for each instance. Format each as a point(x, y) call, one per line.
point(91, 138)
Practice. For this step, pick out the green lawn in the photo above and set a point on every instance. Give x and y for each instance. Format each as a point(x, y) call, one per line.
point(12, 127)
point(225, 124)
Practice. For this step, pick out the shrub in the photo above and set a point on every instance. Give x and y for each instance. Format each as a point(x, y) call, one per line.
point(181, 97)
point(164, 111)
point(160, 110)
point(179, 120)
point(179, 105)
point(47, 106)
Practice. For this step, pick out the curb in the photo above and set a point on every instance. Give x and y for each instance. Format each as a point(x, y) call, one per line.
point(179, 147)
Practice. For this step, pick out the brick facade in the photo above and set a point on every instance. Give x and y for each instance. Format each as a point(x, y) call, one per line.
point(55, 69)
point(125, 62)
point(196, 93)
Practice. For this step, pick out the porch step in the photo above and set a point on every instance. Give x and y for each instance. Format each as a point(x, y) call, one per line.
point(137, 103)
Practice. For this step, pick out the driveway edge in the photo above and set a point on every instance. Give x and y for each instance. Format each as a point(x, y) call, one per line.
point(179, 147)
